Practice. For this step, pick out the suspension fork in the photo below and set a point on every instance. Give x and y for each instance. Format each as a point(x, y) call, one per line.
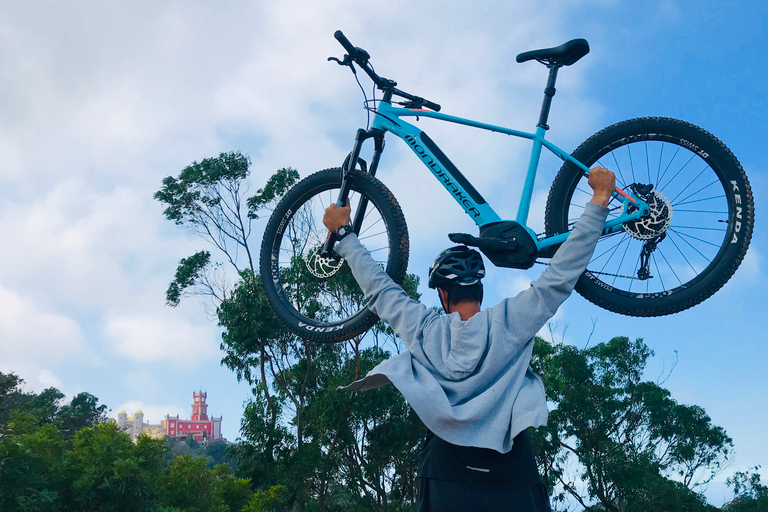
point(350, 164)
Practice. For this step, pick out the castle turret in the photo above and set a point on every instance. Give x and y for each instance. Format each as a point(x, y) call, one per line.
point(138, 424)
point(122, 420)
point(199, 407)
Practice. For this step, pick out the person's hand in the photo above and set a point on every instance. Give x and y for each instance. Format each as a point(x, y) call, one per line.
point(603, 183)
point(337, 216)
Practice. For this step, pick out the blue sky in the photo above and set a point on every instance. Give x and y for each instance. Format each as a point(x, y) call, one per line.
point(99, 103)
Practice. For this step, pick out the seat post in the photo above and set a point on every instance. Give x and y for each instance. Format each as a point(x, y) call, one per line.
point(549, 92)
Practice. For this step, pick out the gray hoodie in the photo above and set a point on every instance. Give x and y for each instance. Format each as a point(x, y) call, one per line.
point(469, 381)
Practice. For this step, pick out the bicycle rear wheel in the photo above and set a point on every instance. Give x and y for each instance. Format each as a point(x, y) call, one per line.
point(702, 215)
point(317, 297)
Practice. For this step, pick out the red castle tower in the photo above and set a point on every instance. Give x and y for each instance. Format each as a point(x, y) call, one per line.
point(199, 407)
point(199, 427)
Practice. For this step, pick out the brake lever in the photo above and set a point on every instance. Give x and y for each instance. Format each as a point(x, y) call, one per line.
point(412, 103)
point(346, 62)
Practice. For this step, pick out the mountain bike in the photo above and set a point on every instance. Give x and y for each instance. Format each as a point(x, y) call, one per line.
point(680, 220)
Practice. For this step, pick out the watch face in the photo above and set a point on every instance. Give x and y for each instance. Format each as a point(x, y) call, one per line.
point(343, 231)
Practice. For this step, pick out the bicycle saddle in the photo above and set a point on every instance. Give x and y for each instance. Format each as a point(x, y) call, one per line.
point(563, 55)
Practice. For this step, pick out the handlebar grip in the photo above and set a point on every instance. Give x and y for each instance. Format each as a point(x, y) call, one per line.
point(340, 37)
point(432, 106)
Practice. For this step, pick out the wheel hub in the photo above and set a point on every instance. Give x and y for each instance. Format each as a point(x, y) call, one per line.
point(657, 221)
point(320, 266)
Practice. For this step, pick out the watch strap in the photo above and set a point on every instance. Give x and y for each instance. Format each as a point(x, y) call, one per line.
point(343, 231)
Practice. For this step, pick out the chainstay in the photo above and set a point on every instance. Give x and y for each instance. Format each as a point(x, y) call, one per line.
point(546, 264)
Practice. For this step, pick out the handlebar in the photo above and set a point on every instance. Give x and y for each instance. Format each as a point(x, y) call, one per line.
point(339, 35)
point(361, 57)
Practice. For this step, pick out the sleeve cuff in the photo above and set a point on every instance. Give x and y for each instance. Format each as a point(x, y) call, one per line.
point(596, 209)
point(345, 245)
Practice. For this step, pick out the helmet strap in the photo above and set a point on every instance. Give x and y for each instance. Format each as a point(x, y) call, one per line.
point(446, 302)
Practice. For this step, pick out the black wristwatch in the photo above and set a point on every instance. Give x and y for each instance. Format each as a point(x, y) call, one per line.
point(342, 232)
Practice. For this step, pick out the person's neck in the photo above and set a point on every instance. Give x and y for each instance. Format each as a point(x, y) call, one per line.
point(466, 310)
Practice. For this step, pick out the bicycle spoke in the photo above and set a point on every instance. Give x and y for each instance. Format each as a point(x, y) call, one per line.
point(692, 247)
point(613, 248)
point(683, 255)
point(686, 235)
point(671, 161)
point(647, 162)
point(658, 168)
point(701, 200)
point(631, 164)
point(677, 210)
point(670, 266)
point(621, 262)
point(637, 266)
point(701, 189)
point(658, 272)
point(618, 167)
point(701, 228)
point(373, 235)
point(362, 232)
point(693, 155)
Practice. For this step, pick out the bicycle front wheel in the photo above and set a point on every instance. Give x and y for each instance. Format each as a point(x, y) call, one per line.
point(317, 297)
point(699, 229)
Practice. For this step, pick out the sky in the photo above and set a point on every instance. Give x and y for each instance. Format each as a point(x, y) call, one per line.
point(99, 101)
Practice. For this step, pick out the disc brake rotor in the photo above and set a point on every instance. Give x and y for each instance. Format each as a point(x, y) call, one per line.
point(320, 266)
point(657, 221)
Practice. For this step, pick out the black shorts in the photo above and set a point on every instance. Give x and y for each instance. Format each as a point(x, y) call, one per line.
point(442, 496)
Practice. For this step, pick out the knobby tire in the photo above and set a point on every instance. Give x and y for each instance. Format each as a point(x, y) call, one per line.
point(319, 299)
point(710, 226)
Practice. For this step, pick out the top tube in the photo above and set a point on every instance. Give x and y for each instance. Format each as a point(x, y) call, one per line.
point(386, 109)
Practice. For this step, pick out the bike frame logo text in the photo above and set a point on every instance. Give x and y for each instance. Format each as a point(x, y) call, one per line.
point(438, 171)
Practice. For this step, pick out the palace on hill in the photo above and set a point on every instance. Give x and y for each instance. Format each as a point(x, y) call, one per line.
point(199, 427)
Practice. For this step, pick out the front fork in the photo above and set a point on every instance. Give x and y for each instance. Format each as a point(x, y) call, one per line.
point(350, 164)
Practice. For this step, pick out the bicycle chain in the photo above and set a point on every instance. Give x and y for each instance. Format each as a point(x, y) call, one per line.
point(546, 264)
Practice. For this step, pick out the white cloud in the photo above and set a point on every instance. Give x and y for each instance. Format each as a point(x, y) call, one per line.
point(161, 338)
point(27, 331)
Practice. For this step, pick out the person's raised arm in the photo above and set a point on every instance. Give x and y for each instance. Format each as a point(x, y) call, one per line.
point(531, 309)
point(387, 299)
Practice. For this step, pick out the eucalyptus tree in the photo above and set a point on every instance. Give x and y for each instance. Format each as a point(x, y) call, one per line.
point(297, 431)
point(617, 439)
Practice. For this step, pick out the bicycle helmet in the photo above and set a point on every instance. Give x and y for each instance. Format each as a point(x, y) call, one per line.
point(457, 265)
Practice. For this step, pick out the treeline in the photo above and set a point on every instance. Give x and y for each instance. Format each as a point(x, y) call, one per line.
point(62, 458)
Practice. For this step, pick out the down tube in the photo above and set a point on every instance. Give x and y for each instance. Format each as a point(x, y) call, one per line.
point(446, 173)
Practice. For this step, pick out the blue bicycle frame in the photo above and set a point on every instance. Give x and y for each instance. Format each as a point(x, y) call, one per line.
point(388, 119)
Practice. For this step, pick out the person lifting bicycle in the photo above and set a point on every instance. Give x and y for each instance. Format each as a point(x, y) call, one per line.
point(466, 374)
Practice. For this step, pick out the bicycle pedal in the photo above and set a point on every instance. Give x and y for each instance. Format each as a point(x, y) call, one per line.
point(462, 238)
point(484, 242)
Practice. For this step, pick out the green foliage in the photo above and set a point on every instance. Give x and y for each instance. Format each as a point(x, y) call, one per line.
point(627, 435)
point(276, 186)
point(83, 411)
point(194, 196)
point(189, 272)
point(189, 485)
point(55, 459)
point(30, 465)
point(109, 473)
point(750, 494)
point(208, 199)
point(250, 327)
point(214, 452)
point(268, 500)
